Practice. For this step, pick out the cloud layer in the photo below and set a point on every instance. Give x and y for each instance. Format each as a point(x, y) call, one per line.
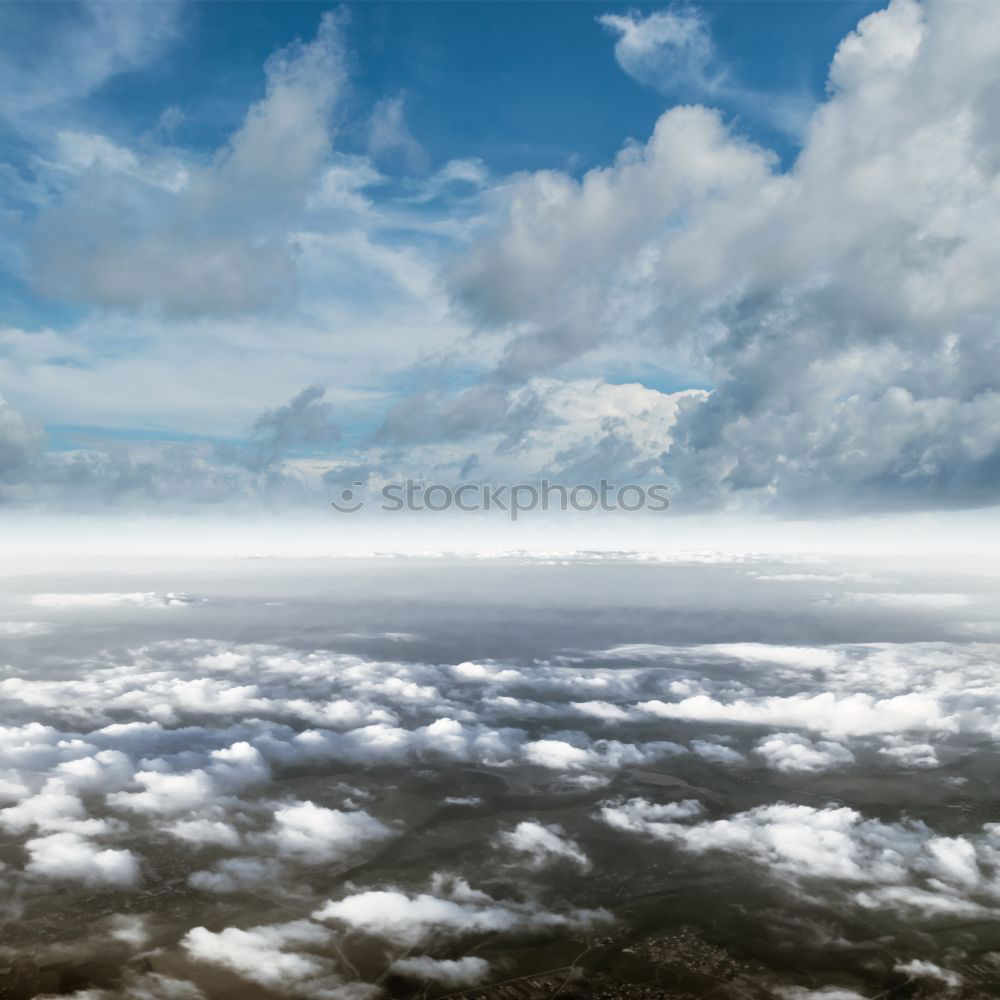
point(691, 310)
point(318, 821)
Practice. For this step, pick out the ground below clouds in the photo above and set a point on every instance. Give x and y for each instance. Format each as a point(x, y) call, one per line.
point(619, 778)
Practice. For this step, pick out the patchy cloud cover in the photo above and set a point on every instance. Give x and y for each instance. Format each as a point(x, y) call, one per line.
point(463, 320)
point(314, 818)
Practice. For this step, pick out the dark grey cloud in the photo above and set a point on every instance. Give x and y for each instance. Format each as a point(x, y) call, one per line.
point(305, 423)
point(438, 417)
point(614, 455)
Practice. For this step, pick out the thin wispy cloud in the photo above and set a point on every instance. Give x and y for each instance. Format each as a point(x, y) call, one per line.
point(673, 51)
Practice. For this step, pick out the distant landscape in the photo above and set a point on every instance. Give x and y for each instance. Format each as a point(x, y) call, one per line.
point(585, 778)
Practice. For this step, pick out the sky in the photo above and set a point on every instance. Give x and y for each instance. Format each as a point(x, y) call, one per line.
point(253, 254)
point(261, 259)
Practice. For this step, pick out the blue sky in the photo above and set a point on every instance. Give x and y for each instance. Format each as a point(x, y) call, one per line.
point(522, 86)
point(693, 242)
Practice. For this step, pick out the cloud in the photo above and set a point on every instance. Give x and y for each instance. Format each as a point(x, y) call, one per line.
point(190, 744)
point(314, 833)
point(15, 629)
point(672, 51)
point(602, 710)
point(806, 657)
point(462, 800)
point(167, 793)
point(146, 600)
point(70, 856)
point(718, 753)
point(920, 969)
point(895, 600)
point(203, 830)
point(642, 816)
point(85, 46)
point(556, 754)
point(605, 230)
point(174, 475)
point(389, 136)
point(867, 309)
point(130, 929)
point(800, 306)
point(791, 754)
point(544, 844)
point(52, 809)
point(453, 910)
point(450, 972)
point(182, 739)
point(431, 417)
point(216, 237)
point(21, 443)
point(669, 50)
point(232, 875)
point(271, 955)
point(163, 793)
point(925, 904)
point(304, 423)
point(900, 866)
point(854, 714)
point(579, 430)
point(909, 754)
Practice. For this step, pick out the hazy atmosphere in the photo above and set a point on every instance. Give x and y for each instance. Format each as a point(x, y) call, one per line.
point(499, 500)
